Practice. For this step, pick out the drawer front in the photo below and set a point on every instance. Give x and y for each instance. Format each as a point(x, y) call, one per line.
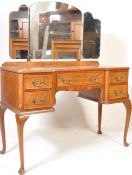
point(37, 81)
point(120, 91)
point(80, 78)
point(38, 99)
point(118, 77)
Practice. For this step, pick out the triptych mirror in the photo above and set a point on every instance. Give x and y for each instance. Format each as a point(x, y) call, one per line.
point(53, 30)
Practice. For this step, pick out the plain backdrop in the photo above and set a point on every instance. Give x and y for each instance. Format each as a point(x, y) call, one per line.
point(71, 111)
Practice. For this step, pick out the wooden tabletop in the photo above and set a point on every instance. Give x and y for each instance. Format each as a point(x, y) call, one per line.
point(27, 67)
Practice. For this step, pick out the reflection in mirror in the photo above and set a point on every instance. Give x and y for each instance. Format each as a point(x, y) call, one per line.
point(91, 36)
point(18, 33)
point(55, 31)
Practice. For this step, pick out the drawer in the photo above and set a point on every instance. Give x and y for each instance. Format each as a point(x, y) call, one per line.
point(120, 91)
point(38, 99)
point(118, 77)
point(37, 81)
point(80, 78)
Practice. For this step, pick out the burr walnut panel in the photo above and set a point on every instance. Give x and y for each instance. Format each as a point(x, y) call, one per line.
point(12, 96)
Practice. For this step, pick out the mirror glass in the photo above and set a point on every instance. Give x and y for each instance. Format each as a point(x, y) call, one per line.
point(18, 33)
point(91, 36)
point(53, 30)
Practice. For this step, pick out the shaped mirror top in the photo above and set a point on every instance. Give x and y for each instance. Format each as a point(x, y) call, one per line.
point(56, 31)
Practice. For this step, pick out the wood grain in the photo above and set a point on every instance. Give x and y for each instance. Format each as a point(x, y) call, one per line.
point(38, 99)
point(37, 81)
point(118, 77)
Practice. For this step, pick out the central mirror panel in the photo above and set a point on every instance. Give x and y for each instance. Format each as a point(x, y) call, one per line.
point(55, 31)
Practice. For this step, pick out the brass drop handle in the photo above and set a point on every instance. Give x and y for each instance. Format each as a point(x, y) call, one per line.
point(119, 78)
point(38, 103)
point(68, 81)
point(94, 79)
point(42, 82)
point(118, 92)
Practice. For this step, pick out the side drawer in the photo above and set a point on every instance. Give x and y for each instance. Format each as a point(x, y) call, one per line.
point(37, 81)
point(118, 77)
point(38, 99)
point(79, 78)
point(116, 92)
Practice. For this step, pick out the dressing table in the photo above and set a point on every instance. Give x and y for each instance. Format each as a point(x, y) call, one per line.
point(30, 87)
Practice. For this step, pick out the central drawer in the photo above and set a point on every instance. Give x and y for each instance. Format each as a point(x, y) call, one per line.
point(79, 78)
point(37, 81)
point(38, 99)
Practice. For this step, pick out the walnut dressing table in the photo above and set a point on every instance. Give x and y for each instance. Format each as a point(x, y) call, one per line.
point(30, 87)
point(58, 31)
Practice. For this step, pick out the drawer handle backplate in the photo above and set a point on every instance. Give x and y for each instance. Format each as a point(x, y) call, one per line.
point(118, 92)
point(119, 78)
point(94, 79)
point(67, 81)
point(42, 82)
point(38, 102)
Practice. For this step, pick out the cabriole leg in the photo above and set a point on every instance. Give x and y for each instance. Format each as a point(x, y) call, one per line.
point(127, 105)
point(99, 117)
point(2, 127)
point(20, 120)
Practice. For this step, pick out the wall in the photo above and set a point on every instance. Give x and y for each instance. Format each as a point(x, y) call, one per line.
point(115, 50)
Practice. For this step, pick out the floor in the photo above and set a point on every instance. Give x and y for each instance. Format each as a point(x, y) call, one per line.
point(69, 151)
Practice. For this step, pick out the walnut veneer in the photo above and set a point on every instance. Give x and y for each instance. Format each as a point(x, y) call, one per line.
point(30, 87)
